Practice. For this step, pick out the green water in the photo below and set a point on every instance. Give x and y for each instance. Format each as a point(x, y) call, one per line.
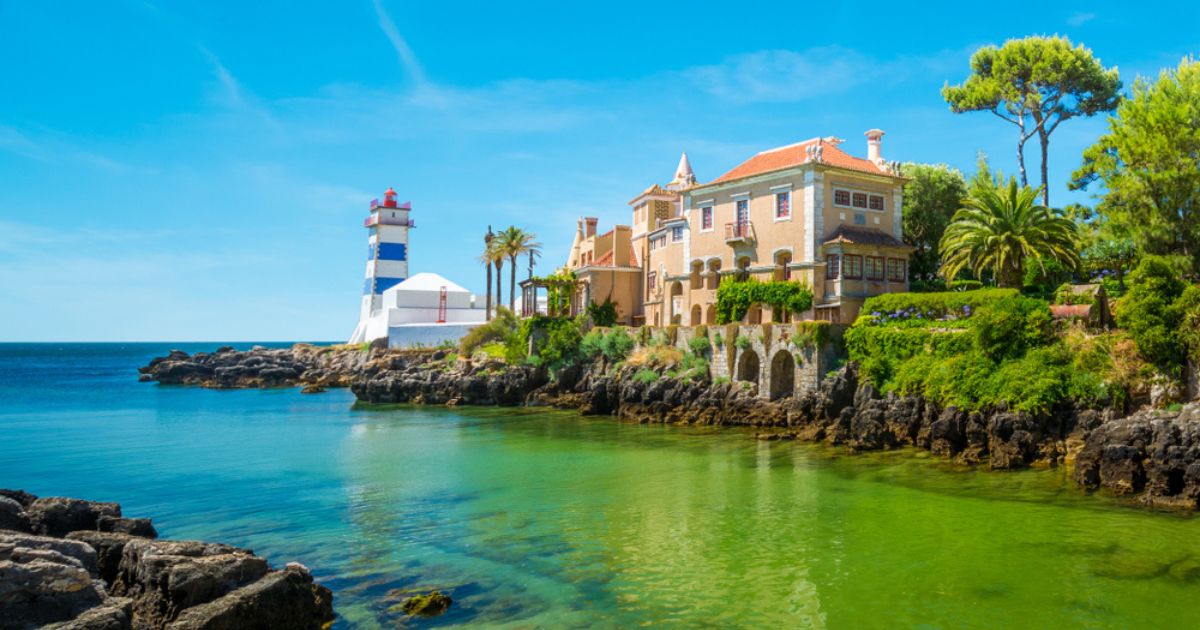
point(534, 518)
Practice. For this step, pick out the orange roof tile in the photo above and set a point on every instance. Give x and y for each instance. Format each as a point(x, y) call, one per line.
point(795, 155)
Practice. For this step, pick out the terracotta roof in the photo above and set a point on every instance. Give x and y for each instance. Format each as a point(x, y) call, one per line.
point(1071, 311)
point(862, 236)
point(607, 259)
point(795, 155)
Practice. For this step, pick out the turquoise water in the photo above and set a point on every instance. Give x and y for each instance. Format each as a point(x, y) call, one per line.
point(533, 518)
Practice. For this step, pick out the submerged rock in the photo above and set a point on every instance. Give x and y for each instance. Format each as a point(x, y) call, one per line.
point(427, 605)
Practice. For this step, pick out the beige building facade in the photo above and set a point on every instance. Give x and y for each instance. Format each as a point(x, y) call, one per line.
point(808, 212)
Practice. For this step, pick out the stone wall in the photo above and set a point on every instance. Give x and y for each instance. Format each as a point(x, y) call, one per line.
point(1193, 380)
point(777, 360)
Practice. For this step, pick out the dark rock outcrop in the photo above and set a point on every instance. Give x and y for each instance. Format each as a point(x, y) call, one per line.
point(428, 604)
point(112, 574)
point(1153, 456)
point(315, 367)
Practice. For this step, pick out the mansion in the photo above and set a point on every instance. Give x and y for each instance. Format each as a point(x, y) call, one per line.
point(808, 212)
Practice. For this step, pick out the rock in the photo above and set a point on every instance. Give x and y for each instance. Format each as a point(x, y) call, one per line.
point(132, 526)
point(81, 554)
point(283, 599)
point(13, 516)
point(109, 547)
point(427, 605)
point(116, 613)
point(57, 516)
point(312, 389)
point(20, 496)
point(36, 589)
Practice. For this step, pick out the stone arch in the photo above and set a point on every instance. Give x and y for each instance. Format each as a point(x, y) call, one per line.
point(754, 315)
point(748, 366)
point(782, 258)
point(742, 264)
point(783, 374)
point(714, 270)
point(696, 315)
point(675, 292)
point(696, 279)
point(710, 314)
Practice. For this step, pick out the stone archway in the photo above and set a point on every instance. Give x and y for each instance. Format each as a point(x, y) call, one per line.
point(675, 303)
point(710, 315)
point(748, 366)
point(754, 315)
point(695, 315)
point(783, 374)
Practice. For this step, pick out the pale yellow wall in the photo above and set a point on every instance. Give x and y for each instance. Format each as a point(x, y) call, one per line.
point(836, 215)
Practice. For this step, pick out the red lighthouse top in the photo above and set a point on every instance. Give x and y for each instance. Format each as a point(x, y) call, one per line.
point(389, 198)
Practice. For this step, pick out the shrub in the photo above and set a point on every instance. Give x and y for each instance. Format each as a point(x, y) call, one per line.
point(561, 346)
point(603, 315)
point(1008, 327)
point(502, 327)
point(494, 350)
point(735, 297)
point(1065, 295)
point(699, 346)
point(645, 376)
point(964, 285)
point(691, 367)
point(893, 307)
point(810, 334)
point(1150, 313)
point(718, 341)
point(742, 342)
point(655, 355)
point(721, 380)
point(615, 344)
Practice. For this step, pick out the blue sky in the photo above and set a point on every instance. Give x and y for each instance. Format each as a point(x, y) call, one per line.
point(180, 171)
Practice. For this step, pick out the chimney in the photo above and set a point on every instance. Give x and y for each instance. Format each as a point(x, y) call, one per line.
point(874, 139)
point(591, 226)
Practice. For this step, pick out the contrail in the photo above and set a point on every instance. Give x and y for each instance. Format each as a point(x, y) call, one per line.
point(407, 58)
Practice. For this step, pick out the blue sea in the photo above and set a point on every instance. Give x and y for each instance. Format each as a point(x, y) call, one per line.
point(532, 518)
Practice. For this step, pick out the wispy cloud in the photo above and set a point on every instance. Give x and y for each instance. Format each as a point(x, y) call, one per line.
point(53, 147)
point(232, 95)
point(1081, 18)
point(403, 52)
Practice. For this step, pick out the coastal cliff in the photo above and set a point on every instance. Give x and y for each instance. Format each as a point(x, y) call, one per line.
point(71, 564)
point(1150, 456)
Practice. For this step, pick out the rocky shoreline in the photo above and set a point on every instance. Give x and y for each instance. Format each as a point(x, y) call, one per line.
point(1152, 457)
point(70, 564)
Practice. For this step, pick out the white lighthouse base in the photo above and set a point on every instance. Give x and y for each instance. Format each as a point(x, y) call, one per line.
point(417, 303)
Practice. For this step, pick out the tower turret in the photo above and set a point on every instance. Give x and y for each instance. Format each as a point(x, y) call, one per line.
point(387, 253)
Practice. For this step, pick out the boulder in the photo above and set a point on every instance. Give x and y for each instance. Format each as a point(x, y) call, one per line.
point(39, 587)
point(81, 553)
point(109, 547)
point(116, 613)
point(132, 526)
point(282, 599)
point(58, 516)
point(428, 604)
point(13, 516)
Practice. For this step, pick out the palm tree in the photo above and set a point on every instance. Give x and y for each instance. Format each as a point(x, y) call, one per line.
point(999, 228)
point(486, 258)
point(498, 261)
point(514, 241)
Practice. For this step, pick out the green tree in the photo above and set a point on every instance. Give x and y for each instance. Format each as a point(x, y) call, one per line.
point(513, 243)
point(932, 195)
point(1001, 229)
point(1152, 312)
point(1149, 163)
point(1036, 83)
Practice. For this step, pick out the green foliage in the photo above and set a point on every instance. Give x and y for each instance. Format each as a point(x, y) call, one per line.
point(964, 285)
point(810, 334)
point(500, 330)
point(721, 380)
point(603, 315)
point(699, 346)
point(1065, 295)
point(1036, 83)
point(691, 367)
point(562, 339)
point(735, 297)
point(932, 195)
point(1188, 306)
point(999, 229)
point(645, 376)
point(560, 287)
point(1153, 312)
point(891, 308)
point(1007, 328)
point(1149, 164)
point(718, 341)
point(615, 344)
point(742, 342)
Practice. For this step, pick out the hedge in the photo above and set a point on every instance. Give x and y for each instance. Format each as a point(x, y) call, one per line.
point(735, 297)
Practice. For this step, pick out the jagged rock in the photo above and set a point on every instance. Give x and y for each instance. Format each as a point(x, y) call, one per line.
point(283, 599)
point(116, 613)
point(20, 496)
point(58, 516)
point(1152, 454)
point(13, 516)
point(132, 526)
point(82, 554)
point(109, 547)
point(427, 605)
point(42, 582)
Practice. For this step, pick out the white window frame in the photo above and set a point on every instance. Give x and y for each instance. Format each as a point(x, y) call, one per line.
point(775, 205)
point(673, 232)
point(851, 205)
point(712, 214)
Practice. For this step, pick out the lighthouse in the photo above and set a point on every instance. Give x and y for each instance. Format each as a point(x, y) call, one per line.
point(387, 256)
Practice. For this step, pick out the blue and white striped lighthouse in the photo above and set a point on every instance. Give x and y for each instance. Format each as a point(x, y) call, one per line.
point(387, 254)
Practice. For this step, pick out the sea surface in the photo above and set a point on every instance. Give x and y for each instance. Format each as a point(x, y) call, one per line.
point(542, 519)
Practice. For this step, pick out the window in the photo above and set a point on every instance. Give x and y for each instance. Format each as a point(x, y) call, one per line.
point(896, 269)
point(831, 267)
point(852, 267)
point(743, 211)
point(874, 267)
point(841, 197)
point(783, 205)
point(652, 279)
point(706, 218)
point(860, 218)
point(676, 233)
point(860, 200)
point(877, 202)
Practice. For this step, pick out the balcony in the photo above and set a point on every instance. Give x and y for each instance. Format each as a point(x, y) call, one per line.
point(739, 233)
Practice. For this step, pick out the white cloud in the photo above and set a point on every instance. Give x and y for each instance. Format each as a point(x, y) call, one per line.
point(1081, 18)
point(403, 52)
